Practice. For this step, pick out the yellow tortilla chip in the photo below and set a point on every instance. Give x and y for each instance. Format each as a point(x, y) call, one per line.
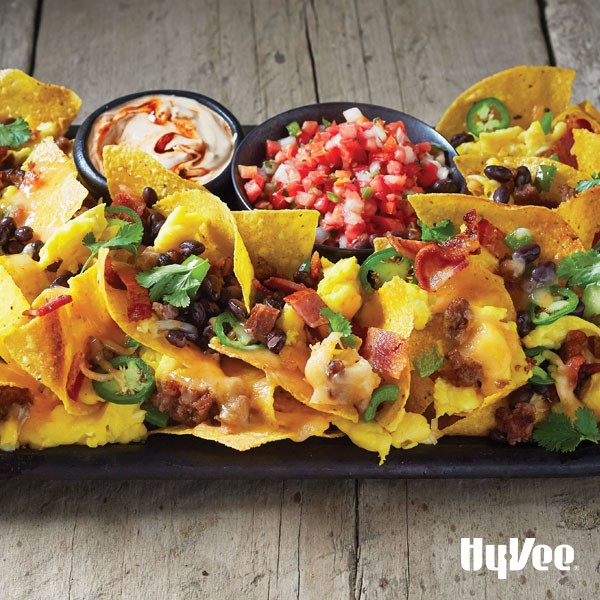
point(554, 235)
point(129, 170)
point(521, 89)
point(49, 194)
point(279, 239)
point(37, 102)
point(471, 167)
point(582, 213)
point(586, 148)
point(11, 308)
point(29, 275)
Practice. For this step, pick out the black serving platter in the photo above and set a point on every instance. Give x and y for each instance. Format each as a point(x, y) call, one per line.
point(186, 457)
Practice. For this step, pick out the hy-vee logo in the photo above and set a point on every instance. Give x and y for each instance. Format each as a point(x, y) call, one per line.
point(502, 558)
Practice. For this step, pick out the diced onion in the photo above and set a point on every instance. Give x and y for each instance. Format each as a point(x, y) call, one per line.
point(353, 114)
point(174, 324)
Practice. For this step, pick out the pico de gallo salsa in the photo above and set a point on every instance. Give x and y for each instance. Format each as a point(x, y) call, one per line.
point(357, 174)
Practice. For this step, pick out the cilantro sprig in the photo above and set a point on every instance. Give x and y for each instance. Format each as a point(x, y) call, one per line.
point(339, 324)
point(558, 433)
point(441, 232)
point(128, 236)
point(14, 134)
point(581, 268)
point(587, 184)
point(175, 284)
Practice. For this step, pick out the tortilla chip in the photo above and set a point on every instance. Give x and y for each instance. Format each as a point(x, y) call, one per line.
point(521, 89)
point(49, 194)
point(129, 170)
point(586, 148)
point(582, 213)
point(471, 167)
point(554, 235)
point(37, 102)
point(194, 214)
point(30, 277)
point(280, 239)
point(11, 309)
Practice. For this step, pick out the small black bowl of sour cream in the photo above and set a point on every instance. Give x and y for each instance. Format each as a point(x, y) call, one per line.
point(188, 133)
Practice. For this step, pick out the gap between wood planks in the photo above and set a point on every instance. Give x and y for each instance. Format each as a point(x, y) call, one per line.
point(36, 33)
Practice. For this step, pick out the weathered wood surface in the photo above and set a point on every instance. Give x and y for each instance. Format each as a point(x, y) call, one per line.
point(573, 30)
point(291, 539)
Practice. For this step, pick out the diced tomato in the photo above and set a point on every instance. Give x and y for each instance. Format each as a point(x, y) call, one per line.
point(272, 148)
point(253, 189)
point(428, 175)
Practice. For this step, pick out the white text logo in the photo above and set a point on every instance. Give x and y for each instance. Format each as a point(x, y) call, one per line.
point(502, 558)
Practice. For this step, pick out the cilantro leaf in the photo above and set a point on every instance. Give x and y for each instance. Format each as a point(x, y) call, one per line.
point(438, 233)
point(175, 284)
point(581, 268)
point(558, 433)
point(587, 184)
point(429, 362)
point(128, 236)
point(339, 324)
point(14, 134)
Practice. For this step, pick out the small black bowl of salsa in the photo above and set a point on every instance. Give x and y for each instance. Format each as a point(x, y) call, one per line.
point(354, 163)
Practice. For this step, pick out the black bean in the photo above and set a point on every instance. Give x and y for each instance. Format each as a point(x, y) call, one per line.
point(544, 272)
point(33, 249)
point(238, 309)
point(524, 324)
point(232, 292)
point(14, 247)
point(149, 197)
point(461, 138)
point(540, 388)
point(4, 235)
point(334, 367)
point(523, 176)
point(164, 260)
point(527, 253)
point(578, 312)
point(62, 280)
point(23, 234)
point(191, 247)
point(192, 336)
point(212, 308)
point(211, 287)
point(197, 314)
point(445, 186)
point(208, 332)
point(501, 195)
point(176, 337)
point(363, 244)
point(522, 394)
point(155, 222)
point(276, 340)
point(275, 301)
point(498, 173)
point(305, 278)
point(10, 224)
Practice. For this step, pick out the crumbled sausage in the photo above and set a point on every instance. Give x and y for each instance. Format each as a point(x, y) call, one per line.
point(517, 423)
point(456, 319)
point(184, 405)
point(13, 396)
point(466, 372)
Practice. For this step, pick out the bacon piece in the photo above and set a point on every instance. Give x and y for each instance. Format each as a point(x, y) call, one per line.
point(492, 238)
point(139, 305)
point(124, 198)
point(261, 321)
point(573, 365)
point(433, 270)
point(285, 285)
point(386, 351)
point(308, 304)
point(75, 376)
point(316, 268)
point(409, 248)
point(49, 307)
point(574, 344)
point(111, 276)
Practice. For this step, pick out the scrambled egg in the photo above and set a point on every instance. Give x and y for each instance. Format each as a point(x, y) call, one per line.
point(591, 394)
point(292, 324)
point(340, 286)
point(412, 430)
point(449, 399)
point(554, 334)
point(369, 436)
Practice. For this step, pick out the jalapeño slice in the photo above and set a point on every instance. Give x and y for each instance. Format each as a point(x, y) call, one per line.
point(487, 115)
point(240, 340)
point(381, 267)
point(135, 384)
point(386, 393)
point(565, 301)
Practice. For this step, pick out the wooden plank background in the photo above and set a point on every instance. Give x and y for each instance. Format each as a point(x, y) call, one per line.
point(292, 539)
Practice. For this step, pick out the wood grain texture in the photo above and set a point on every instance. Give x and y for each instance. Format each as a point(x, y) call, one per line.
point(573, 30)
point(417, 56)
point(17, 33)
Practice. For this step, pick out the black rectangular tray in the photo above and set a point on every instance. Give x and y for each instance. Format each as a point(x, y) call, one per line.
point(185, 457)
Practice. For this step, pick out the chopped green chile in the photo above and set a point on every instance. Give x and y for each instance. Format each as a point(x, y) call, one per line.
point(366, 192)
point(137, 376)
point(429, 362)
point(540, 377)
point(241, 340)
point(383, 266)
point(546, 122)
point(521, 236)
point(544, 177)
point(293, 128)
point(156, 417)
point(487, 115)
point(565, 302)
point(333, 197)
point(385, 393)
